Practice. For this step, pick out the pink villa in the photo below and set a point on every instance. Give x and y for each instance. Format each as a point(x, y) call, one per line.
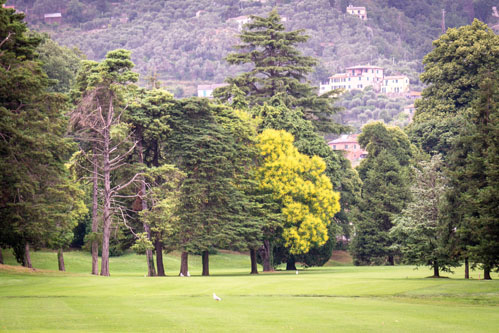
point(348, 143)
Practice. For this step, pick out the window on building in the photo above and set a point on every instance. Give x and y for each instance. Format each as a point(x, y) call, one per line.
point(334, 146)
point(354, 146)
point(346, 146)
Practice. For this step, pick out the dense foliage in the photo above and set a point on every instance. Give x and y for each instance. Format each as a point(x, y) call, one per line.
point(40, 201)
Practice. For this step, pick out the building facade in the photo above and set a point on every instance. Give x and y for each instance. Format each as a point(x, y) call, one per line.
point(206, 90)
point(360, 12)
point(397, 84)
point(351, 148)
point(356, 77)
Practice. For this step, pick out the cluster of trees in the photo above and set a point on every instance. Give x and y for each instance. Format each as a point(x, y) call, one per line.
point(188, 175)
point(429, 196)
point(198, 36)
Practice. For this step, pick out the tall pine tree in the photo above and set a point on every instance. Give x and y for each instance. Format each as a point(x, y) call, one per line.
point(279, 69)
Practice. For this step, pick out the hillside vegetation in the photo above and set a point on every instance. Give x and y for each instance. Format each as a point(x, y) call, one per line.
point(184, 42)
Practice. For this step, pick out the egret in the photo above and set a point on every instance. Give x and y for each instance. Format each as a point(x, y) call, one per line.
point(216, 298)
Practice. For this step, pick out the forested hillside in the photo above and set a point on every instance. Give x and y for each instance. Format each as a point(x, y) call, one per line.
point(183, 43)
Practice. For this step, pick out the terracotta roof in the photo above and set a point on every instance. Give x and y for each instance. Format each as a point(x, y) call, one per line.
point(52, 15)
point(340, 75)
point(364, 66)
point(395, 77)
point(345, 139)
point(356, 8)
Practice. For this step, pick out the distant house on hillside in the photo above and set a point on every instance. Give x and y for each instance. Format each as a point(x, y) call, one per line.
point(9, 7)
point(240, 21)
point(413, 94)
point(356, 77)
point(52, 18)
point(410, 110)
point(361, 12)
point(348, 143)
point(206, 90)
point(395, 84)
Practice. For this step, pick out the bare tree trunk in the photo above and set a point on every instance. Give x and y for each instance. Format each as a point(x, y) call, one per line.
point(265, 252)
point(254, 267)
point(486, 273)
point(106, 232)
point(1, 256)
point(151, 271)
point(206, 263)
point(291, 263)
point(27, 256)
point(391, 260)
point(184, 266)
point(60, 260)
point(159, 258)
point(466, 268)
point(435, 269)
point(95, 209)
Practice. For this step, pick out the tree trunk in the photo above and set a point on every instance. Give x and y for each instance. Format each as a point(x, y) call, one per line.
point(254, 267)
point(466, 268)
point(206, 263)
point(95, 210)
point(151, 271)
point(435, 269)
point(184, 266)
point(1, 256)
point(391, 261)
point(60, 260)
point(27, 256)
point(159, 258)
point(291, 263)
point(486, 273)
point(265, 253)
point(106, 232)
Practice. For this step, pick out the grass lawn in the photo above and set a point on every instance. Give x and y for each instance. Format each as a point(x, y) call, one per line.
point(333, 298)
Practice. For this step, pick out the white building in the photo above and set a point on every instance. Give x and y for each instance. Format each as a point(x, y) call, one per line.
point(206, 90)
point(240, 21)
point(361, 12)
point(396, 84)
point(356, 77)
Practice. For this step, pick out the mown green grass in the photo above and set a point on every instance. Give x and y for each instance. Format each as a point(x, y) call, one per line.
point(339, 299)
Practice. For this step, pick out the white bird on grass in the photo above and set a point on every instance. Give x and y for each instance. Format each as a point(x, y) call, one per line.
point(181, 274)
point(216, 298)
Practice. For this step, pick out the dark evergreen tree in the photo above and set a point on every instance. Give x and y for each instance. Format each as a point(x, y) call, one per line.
point(474, 165)
point(148, 115)
point(385, 191)
point(207, 144)
point(39, 199)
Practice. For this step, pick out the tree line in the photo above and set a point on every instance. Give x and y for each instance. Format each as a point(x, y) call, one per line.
point(249, 170)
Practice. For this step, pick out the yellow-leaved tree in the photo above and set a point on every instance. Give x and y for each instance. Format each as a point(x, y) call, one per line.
point(298, 183)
